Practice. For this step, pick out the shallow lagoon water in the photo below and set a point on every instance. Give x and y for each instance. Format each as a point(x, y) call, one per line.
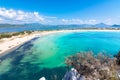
point(45, 56)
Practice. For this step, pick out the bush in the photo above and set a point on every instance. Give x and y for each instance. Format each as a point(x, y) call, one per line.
point(5, 36)
point(93, 67)
point(28, 32)
point(8, 35)
point(16, 34)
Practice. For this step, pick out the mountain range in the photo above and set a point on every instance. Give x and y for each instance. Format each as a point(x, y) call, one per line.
point(100, 25)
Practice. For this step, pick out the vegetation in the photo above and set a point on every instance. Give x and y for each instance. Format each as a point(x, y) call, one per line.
point(100, 67)
point(8, 35)
point(117, 58)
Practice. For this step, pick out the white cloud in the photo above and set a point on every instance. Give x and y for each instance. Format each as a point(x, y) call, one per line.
point(111, 21)
point(72, 21)
point(50, 17)
point(92, 21)
point(18, 16)
point(78, 21)
point(1, 19)
point(108, 21)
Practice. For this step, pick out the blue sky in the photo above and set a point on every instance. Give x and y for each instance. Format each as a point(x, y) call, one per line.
point(60, 11)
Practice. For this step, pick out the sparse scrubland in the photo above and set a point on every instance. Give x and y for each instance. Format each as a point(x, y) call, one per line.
point(9, 35)
point(95, 67)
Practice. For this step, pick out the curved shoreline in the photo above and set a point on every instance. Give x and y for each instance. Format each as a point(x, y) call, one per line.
point(16, 47)
point(10, 44)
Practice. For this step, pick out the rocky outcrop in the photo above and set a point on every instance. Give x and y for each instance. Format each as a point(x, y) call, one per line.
point(43, 78)
point(73, 75)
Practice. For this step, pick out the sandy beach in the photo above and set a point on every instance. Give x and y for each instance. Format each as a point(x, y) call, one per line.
point(8, 44)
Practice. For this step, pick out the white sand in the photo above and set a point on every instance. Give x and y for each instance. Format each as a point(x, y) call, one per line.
point(8, 44)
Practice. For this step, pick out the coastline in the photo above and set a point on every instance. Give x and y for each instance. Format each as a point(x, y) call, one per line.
point(9, 44)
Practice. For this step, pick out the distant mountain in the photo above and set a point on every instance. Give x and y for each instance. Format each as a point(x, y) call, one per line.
point(32, 24)
point(54, 27)
point(102, 25)
point(115, 25)
point(10, 25)
point(20, 25)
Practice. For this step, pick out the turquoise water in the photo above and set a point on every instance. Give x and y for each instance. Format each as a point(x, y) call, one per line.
point(45, 56)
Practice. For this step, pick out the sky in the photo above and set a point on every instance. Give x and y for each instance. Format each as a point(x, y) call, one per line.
point(60, 11)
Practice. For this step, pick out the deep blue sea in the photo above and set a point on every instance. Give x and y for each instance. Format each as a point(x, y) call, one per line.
point(45, 56)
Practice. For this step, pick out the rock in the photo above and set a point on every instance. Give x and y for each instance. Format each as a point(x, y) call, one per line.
point(43, 78)
point(73, 75)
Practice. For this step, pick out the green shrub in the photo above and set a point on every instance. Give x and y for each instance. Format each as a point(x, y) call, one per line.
point(28, 32)
point(5, 36)
point(8, 35)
